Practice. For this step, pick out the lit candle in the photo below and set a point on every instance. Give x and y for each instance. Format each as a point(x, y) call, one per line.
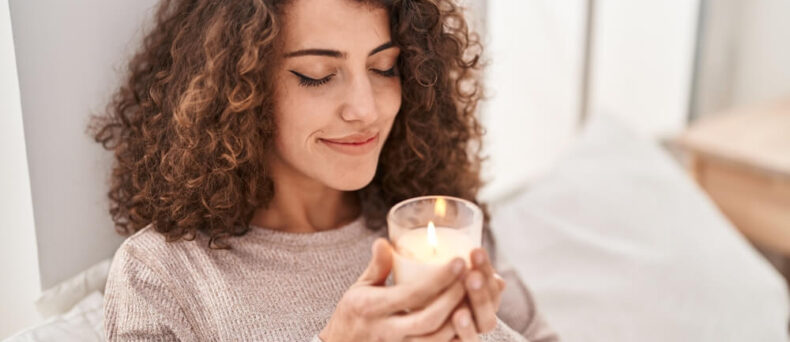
point(423, 249)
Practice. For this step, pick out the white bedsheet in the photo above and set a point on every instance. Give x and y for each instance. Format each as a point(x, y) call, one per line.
point(619, 245)
point(83, 323)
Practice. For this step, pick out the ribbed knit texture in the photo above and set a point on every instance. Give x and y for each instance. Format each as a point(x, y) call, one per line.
point(271, 286)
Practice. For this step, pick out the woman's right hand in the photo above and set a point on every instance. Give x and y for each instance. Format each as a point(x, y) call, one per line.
point(371, 311)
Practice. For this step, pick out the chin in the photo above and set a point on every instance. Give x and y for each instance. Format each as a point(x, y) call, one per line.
point(352, 180)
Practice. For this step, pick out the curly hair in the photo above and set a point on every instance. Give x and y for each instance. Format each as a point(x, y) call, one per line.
point(192, 122)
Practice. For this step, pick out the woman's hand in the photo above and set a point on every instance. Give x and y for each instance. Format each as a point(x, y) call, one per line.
point(369, 311)
point(484, 287)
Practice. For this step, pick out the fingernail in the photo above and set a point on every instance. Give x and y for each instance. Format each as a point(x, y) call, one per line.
point(463, 321)
point(458, 266)
point(475, 283)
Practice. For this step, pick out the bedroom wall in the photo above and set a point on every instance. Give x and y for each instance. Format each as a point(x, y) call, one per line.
point(67, 53)
point(534, 49)
point(761, 73)
point(743, 55)
point(642, 62)
point(19, 265)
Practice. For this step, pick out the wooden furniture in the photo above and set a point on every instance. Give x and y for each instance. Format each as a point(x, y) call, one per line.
point(742, 160)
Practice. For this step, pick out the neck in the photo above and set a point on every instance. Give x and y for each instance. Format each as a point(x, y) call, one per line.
point(304, 205)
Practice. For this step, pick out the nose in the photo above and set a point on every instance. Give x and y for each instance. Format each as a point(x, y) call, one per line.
point(360, 102)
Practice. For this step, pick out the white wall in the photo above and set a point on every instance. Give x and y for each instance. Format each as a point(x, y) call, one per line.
point(714, 84)
point(762, 68)
point(744, 54)
point(535, 49)
point(642, 62)
point(67, 53)
point(641, 71)
point(18, 259)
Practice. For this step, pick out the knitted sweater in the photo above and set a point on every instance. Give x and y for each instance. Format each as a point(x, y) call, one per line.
point(271, 286)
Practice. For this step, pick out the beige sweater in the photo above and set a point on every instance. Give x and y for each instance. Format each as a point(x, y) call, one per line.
point(271, 286)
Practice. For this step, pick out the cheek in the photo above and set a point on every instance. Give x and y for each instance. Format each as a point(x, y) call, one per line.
point(297, 121)
point(389, 100)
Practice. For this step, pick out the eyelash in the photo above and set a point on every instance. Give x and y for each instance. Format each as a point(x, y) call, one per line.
point(311, 82)
point(387, 73)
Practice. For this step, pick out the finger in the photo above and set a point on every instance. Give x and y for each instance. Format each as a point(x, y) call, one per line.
point(482, 306)
point(462, 321)
point(417, 295)
point(445, 333)
point(379, 266)
point(430, 318)
point(482, 262)
point(493, 282)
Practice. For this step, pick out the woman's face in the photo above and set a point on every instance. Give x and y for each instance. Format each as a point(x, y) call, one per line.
point(337, 91)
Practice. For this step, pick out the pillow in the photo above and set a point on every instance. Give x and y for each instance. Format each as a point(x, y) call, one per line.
point(83, 323)
point(619, 244)
point(62, 297)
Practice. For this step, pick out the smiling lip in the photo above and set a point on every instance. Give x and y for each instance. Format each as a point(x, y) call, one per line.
point(355, 144)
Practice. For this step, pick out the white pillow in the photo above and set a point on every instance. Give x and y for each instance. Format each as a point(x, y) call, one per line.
point(619, 244)
point(62, 297)
point(83, 323)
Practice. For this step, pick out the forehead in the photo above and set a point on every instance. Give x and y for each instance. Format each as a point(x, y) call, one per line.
point(334, 24)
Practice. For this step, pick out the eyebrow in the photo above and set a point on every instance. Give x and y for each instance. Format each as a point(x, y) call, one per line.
point(335, 53)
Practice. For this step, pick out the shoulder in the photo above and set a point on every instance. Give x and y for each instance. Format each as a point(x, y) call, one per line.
point(147, 250)
point(143, 297)
point(148, 270)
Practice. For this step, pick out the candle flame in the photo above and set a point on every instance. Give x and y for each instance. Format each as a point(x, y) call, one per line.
point(432, 240)
point(440, 208)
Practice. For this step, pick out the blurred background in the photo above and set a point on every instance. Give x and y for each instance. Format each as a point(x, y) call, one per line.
point(709, 80)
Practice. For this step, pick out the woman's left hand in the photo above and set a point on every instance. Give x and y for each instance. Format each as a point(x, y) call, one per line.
point(484, 290)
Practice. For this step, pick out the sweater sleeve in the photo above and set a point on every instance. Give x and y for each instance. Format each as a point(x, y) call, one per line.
point(138, 305)
point(503, 333)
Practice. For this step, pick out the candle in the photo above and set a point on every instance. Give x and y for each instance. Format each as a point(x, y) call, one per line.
point(423, 250)
point(427, 235)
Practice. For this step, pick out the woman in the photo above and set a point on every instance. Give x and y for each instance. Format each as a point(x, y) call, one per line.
point(259, 145)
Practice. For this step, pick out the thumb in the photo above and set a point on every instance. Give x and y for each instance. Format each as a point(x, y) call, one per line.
point(380, 264)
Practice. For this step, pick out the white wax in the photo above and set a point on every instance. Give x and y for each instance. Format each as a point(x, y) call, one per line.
point(415, 257)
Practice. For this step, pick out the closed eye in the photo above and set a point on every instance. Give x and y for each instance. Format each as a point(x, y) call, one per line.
point(391, 72)
point(311, 82)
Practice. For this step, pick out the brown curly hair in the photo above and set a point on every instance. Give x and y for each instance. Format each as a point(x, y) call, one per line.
point(193, 120)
